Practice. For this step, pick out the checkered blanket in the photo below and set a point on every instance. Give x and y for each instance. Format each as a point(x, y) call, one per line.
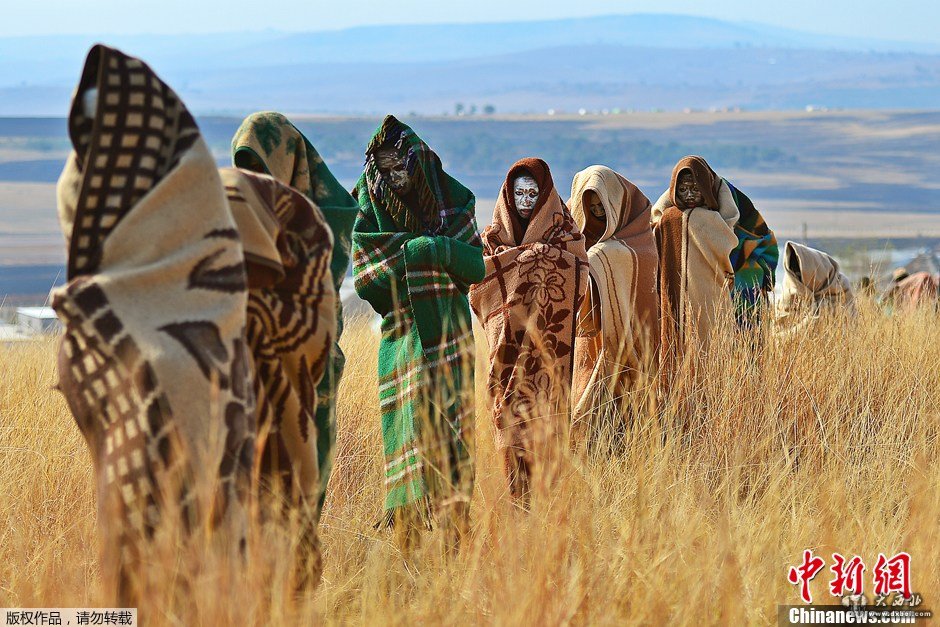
point(414, 267)
point(152, 362)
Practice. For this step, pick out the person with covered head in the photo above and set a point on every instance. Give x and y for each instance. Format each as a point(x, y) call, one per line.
point(755, 253)
point(910, 291)
point(416, 251)
point(268, 143)
point(620, 315)
point(813, 286)
point(153, 361)
point(205, 304)
point(291, 323)
point(694, 227)
point(536, 279)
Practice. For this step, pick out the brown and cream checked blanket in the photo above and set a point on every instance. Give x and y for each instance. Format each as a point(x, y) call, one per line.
point(620, 316)
point(536, 278)
point(153, 361)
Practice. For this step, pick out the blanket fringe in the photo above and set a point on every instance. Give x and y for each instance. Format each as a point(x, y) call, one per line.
point(421, 507)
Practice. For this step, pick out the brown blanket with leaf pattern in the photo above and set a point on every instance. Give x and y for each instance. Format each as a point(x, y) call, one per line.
point(536, 277)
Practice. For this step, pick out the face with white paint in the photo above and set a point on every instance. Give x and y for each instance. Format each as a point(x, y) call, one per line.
point(525, 192)
point(392, 166)
point(594, 204)
point(688, 192)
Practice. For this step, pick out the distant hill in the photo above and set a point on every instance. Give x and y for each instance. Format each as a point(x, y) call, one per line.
point(634, 61)
point(588, 76)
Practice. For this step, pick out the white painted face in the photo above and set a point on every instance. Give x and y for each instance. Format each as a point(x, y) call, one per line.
point(594, 204)
point(90, 102)
point(688, 192)
point(392, 165)
point(526, 193)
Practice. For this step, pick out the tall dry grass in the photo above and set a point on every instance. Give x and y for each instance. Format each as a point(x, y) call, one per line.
point(826, 441)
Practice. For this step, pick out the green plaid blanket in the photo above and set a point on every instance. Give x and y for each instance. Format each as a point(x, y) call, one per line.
point(415, 269)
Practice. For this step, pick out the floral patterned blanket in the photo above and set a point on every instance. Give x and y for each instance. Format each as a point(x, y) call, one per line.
point(536, 278)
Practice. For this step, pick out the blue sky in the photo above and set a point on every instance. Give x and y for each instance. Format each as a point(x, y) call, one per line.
point(902, 20)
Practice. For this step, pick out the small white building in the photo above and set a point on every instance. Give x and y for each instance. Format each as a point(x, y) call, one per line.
point(36, 319)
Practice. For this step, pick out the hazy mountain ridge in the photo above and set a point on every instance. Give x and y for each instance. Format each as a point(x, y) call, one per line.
point(635, 61)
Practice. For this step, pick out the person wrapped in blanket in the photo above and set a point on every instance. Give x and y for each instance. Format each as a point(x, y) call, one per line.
point(199, 314)
point(152, 360)
point(290, 326)
point(536, 280)
point(268, 143)
point(909, 291)
point(813, 286)
point(755, 254)
point(619, 324)
point(694, 227)
point(416, 251)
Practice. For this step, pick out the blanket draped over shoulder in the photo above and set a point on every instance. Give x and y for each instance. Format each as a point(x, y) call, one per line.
point(754, 257)
point(920, 288)
point(813, 285)
point(269, 143)
point(414, 265)
point(153, 362)
point(536, 278)
point(695, 269)
point(620, 319)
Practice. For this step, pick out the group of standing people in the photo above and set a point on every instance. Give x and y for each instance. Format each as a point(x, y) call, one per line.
point(202, 306)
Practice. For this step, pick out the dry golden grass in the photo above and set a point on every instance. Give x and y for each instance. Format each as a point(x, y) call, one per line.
point(828, 441)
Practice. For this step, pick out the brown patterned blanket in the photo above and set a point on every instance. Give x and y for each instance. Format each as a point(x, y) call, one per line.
point(153, 361)
point(290, 328)
point(536, 278)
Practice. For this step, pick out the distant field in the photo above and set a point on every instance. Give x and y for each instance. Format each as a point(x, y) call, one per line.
point(841, 174)
point(29, 226)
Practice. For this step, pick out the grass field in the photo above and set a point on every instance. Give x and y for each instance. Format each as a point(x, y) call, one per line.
point(828, 441)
